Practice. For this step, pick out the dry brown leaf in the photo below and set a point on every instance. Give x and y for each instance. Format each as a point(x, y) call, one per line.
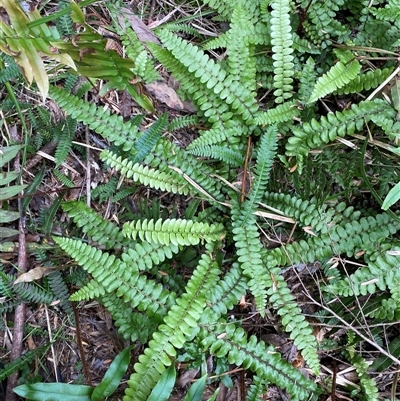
point(164, 94)
point(142, 31)
point(34, 274)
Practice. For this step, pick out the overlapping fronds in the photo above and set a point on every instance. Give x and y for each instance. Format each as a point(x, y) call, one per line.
point(315, 133)
point(231, 341)
point(180, 325)
point(119, 276)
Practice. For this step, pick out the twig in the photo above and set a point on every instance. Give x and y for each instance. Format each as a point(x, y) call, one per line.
point(19, 317)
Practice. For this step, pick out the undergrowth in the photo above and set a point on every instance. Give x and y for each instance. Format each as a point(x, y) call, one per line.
point(295, 151)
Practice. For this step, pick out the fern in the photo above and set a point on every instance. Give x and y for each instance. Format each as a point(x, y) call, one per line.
point(282, 113)
point(177, 232)
point(101, 231)
point(117, 276)
point(337, 77)
point(149, 138)
point(315, 133)
point(232, 341)
point(180, 325)
point(229, 156)
point(60, 290)
point(218, 85)
point(369, 80)
point(282, 42)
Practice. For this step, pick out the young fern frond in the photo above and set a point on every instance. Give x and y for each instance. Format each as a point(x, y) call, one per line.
point(282, 42)
point(342, 73)
point(174, 231)
point(180, 326)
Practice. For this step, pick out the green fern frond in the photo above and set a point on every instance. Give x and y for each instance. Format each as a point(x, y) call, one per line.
point(174, 231)
point(180, 325)
point(64, 136)
point(315, 133)
point(381, 273)
point(116, 276)
point(337, 77)
point(8, 69)
point(365, 82)
point(101, 231)
point(220, 133)
point(182, 122)
point(240, 49)
point(265, 156)
point(131, 325)
point(231, 341)
point(165, 181)
point(60, 290)
point(23, 361)
point(100, 120)
point(211, 74)
point(167, 156)
point(149, 138)
point(282, 42)
point(222, 153)
point(282, 113)
point(63, 179)
point(227, 292)
point(31, 292)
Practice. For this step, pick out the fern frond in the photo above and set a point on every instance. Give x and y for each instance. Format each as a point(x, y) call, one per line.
point(116, 275)
point(227, 292)
point(282, 42)
point(101, 231)
point(149, 138)
point(30, 292)
point(315, 133)
point(222, 153)
point(8, 68)
point(220, 133)
point(182, 122)
point(180, 325)
point(231, 341)
point(217, 84)
point(365, 82)
point(64, 137)
point(337, 77)
point(100, 120)
point(170, 181)
point(265, 156)
point(174, 231)
point(23, 361)
point(60, 290)
point(381, 273)
point(131, 325)
point(282, 113)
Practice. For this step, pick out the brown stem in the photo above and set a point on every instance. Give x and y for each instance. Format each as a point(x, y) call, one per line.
point(80, 346)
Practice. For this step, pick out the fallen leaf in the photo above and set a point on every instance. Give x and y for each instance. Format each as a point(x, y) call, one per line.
point(34, 274)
